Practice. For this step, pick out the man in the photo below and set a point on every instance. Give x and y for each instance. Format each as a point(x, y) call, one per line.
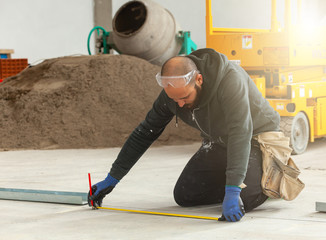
point(217, 97)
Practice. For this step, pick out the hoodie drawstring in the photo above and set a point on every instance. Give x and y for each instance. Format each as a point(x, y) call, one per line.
point(176, 114)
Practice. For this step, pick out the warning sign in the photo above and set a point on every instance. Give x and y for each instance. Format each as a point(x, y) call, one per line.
point(247, 41)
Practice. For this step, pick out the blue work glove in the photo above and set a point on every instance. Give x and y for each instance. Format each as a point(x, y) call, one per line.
point(100, 190)
point(232, 208)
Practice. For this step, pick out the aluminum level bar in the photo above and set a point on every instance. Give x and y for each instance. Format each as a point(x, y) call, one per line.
point(75, 198)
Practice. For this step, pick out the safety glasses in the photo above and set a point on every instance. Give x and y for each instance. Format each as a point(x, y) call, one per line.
point(175, 81)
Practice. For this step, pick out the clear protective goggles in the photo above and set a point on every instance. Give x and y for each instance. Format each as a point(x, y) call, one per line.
point(175, 81)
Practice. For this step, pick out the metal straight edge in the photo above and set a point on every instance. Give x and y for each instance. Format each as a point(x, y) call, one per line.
point(321, 206)
point(75, 198)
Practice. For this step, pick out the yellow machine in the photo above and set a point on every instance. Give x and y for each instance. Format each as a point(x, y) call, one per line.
point(288, 66)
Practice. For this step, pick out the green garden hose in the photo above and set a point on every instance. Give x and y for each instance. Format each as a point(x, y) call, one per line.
point(105, 34)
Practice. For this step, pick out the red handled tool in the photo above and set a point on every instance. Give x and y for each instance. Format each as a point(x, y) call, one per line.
point(90, 187)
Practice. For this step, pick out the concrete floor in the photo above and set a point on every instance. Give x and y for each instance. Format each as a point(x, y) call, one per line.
point(149, 187)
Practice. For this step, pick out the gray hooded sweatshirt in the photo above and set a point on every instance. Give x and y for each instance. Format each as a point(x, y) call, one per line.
point(230, 111)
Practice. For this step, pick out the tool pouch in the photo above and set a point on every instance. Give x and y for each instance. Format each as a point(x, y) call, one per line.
point(280, 174)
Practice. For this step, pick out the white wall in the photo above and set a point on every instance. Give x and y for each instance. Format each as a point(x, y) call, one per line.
point(39, 29)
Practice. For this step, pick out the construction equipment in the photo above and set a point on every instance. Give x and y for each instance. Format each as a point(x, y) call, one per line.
point(146, 30)
point(287, 64)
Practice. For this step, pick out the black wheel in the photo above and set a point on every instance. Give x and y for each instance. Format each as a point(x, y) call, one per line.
point(297, 129)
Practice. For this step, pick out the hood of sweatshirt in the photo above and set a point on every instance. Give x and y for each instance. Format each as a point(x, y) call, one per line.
point(213, 67)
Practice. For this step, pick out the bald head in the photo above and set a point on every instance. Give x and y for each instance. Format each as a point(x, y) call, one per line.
point(176, 66)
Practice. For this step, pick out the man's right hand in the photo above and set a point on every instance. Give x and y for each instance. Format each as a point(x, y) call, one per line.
point(100, 190)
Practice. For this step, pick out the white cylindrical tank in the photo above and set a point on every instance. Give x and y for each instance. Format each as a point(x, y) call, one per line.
point(145, 29)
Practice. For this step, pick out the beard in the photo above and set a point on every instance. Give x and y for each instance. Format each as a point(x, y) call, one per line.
point(196, 101)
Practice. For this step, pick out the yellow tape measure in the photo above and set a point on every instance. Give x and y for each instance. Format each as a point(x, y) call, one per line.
point(160, 213)
point(147, 212)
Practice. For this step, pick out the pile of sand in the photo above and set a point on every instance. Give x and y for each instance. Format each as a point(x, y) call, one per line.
point(81, 102)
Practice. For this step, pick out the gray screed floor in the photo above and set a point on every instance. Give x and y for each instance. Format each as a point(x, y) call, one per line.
point(148, 187)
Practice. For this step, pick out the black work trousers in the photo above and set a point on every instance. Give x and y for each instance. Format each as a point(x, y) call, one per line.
point(203, 179)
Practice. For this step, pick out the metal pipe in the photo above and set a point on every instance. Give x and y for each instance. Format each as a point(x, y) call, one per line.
point(209, 18)
point(274, 22)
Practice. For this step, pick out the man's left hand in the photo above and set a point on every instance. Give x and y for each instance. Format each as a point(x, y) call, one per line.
point(232, 207)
